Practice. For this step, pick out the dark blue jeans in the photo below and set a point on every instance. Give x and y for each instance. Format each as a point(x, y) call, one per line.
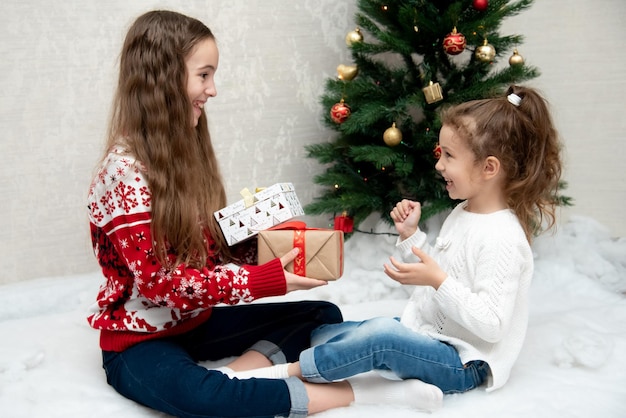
point(164, 374)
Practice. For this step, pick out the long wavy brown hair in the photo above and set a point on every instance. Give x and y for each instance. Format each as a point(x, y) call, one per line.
point(151, 120)
point(527, 144)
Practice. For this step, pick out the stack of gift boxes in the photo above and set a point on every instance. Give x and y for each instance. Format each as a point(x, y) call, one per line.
point(265, 214)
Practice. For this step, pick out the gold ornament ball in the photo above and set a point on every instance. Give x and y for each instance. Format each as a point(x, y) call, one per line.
point(354, 37)
point(392, 136)
point(486, 52)
point(516, 59)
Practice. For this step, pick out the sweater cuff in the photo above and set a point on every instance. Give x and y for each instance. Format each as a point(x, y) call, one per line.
point(418, 239)
point(446, 293)
point(267, 279)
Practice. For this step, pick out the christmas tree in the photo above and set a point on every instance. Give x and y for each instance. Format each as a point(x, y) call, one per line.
point(409, 58)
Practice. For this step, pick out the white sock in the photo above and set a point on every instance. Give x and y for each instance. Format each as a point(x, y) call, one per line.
point(226, 370)
point(373, 389)
point(277, 371)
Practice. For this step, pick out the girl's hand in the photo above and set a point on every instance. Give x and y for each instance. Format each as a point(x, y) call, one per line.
point(406, 215)
point(424, 273)
point(295, 282)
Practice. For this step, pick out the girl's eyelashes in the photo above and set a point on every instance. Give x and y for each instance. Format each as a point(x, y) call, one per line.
point(205, 74)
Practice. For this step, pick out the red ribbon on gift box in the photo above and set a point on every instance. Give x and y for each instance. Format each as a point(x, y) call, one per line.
point(299, 263)
point(296, 234)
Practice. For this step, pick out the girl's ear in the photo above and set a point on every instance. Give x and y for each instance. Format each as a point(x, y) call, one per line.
point(491, 167)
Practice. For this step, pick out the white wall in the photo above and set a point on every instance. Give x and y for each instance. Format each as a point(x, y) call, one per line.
point(578, 48)
point(57, 71)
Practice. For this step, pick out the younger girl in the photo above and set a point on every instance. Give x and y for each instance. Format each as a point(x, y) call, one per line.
point(465, 323)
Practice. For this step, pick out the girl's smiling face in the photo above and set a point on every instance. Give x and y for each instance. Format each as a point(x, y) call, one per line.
point(201, 67)
point(478, 182)
point(457, 165)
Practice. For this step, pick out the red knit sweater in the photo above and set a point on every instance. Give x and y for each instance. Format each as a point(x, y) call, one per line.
point(140, 299)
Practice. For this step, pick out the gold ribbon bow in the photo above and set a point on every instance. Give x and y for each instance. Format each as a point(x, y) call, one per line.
point(248, 197)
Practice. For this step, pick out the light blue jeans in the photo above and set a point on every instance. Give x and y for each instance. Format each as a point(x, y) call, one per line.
point(349, 348)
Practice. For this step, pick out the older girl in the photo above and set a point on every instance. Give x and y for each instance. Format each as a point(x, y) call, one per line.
point(164, 261)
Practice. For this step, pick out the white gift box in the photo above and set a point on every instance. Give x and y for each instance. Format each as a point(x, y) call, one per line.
point(259, 211)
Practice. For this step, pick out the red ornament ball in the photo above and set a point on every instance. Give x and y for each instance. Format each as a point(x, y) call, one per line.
point(339, 112)
point(480, 5)
point(454, 43)
point(437, 152)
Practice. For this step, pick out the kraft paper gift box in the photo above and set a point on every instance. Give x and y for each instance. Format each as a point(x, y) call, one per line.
point(321, 250)
point(255, 212)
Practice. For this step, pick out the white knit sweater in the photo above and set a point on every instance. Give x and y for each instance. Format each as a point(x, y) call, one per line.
point(482, 306)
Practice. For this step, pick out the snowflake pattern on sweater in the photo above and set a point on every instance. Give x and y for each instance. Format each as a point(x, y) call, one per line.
point(139, 294)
